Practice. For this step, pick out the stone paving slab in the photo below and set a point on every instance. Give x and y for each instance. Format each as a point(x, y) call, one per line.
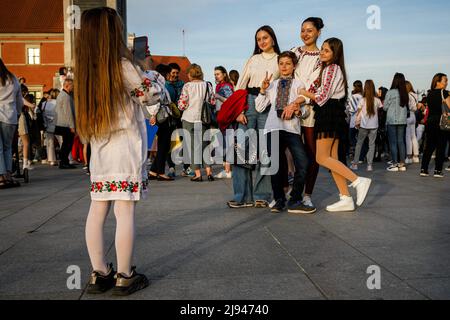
point(192, 246)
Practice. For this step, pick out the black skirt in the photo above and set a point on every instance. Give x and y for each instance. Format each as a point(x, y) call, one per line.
point(330, 120)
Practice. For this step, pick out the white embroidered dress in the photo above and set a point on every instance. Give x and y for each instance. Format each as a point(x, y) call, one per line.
point(118, 163)
point(308, 71)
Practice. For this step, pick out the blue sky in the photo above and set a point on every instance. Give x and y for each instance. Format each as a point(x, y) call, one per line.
point(414, 36)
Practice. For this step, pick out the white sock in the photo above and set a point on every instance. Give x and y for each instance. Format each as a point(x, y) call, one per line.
point(94, 234)
point(124, 212)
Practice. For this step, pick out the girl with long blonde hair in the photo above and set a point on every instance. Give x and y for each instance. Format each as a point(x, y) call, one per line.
point(110, 95)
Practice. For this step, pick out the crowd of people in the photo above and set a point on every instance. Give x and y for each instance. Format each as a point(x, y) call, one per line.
point(32, 132)
point(299, 98)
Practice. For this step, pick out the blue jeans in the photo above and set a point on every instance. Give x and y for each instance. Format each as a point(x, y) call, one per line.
point(294, 143)
point(6, 139)
point(244, 188)
point(396, 134)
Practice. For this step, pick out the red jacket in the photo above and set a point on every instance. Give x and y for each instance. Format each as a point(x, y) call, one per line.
point(232, 108)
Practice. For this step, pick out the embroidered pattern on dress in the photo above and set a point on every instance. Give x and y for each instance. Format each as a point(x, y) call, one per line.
point(116, 186)
point(327, 84)
point(144, 87)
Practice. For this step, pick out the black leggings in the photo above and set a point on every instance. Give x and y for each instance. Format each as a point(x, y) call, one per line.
point(164, 135)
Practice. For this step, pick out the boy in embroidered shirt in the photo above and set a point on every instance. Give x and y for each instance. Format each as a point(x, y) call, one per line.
point(284, 116)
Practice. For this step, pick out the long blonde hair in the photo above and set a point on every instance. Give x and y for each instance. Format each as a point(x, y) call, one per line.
point(99, 87)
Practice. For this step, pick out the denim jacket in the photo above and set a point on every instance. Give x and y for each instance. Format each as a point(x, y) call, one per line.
point(396, 114)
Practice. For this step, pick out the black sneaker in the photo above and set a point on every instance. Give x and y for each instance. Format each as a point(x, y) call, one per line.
point(438, 174)
point(239, 205)
point(300, 207)
point(424, 173)
point(99, 283)
point(128, 285)
point(279, 206)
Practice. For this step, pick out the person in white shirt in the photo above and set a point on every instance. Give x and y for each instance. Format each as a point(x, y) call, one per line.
point(412, 145)
point(280, 94)
point(193, 95)
point(367, 123)
point(263, 61)
point(330, 124)
point(352, 109)
point(11, 103)
point(308, 71)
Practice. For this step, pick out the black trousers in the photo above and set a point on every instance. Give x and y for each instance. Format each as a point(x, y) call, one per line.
point(164, 135)
point(67, 144)
point(436, 139)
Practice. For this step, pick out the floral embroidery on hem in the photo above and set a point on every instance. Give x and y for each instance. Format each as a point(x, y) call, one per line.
point(115, 186)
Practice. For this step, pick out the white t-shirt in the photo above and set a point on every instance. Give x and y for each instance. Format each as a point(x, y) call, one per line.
point(366, 121)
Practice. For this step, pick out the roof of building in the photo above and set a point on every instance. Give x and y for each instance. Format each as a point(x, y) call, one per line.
point(183, 62)
point(31, 16)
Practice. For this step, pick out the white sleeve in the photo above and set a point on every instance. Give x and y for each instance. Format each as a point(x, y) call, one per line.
point(245, 77)
point(412, 103)
point(262, 101)
point(302, 85)
point(330, 79)
point(139, 85)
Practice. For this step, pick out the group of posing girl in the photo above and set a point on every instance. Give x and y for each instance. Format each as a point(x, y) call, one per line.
point(301, 94)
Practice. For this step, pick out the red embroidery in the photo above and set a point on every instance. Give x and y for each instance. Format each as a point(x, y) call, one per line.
point(326, 86)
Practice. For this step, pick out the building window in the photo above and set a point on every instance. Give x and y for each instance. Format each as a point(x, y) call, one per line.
point(36, 91)
point(33, 55)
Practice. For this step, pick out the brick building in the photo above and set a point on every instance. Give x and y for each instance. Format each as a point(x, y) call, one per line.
point(35, 41)
point(32, 41)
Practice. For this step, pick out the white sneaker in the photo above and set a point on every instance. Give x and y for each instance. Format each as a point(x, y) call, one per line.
point(392, 168)
point(362, 186)
point(448, 168)
point(272, 204)
point(402, 168)
point(27, 165)
point(354, 166)
point(416, 160)
point(307, 201)
point(344, 204)
point(408, 161)
point(369, 168)
point(45, 161)
point(223, 175)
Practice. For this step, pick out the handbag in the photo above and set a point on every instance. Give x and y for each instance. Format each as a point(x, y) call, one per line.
point(162, 115)
point(176, 113)
point(444, 123)
point(245, 155)
point(208, 116)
